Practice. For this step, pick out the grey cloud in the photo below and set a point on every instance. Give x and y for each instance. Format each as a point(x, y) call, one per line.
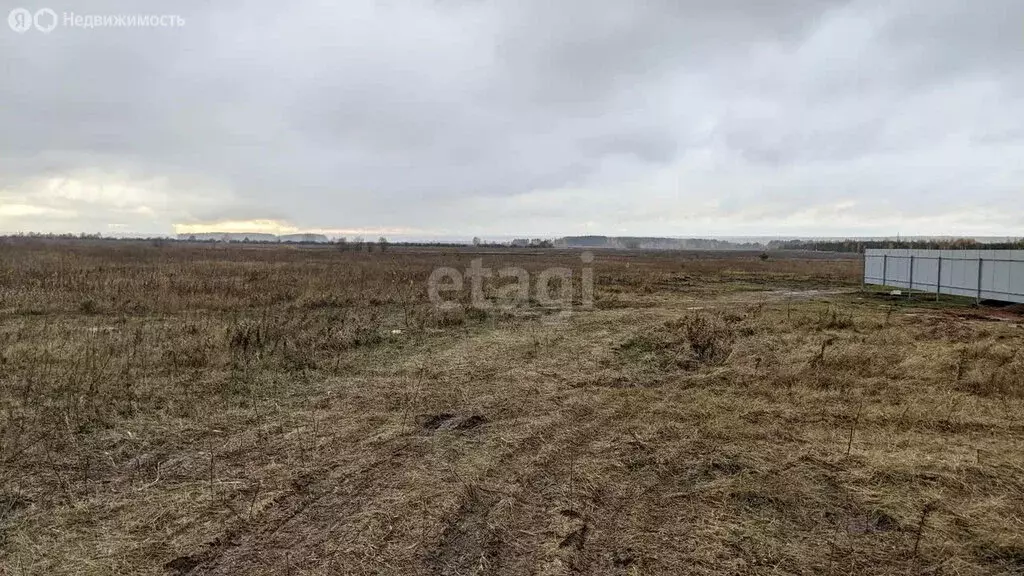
point(440, 114)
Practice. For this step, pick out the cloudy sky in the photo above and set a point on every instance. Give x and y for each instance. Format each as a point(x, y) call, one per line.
point(539, 117)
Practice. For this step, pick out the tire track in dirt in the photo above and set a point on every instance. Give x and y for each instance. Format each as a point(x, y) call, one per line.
point(467, 545)
point(294, 521)
point(481, 536)
point(528, 510)
point(533, 518)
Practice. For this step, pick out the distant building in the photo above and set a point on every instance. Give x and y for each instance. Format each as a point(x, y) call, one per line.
point(250, 237)
point(229, 237)
point(253, 237)
point(306, 238)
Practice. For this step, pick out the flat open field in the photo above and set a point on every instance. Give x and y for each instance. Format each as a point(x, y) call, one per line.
point(223, 409)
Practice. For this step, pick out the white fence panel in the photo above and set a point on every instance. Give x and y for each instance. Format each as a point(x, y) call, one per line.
point(980, 274)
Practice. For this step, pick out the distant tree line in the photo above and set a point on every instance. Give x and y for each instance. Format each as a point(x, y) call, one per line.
point(52, 236)
point(382, 244)
point(357, 244)
point(653, 243)
point(858, 246)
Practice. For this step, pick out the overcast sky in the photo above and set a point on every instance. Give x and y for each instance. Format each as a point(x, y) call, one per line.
point(479, 117)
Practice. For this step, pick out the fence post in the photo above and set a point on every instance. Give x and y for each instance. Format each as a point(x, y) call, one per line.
point(938, 279)
point(981, 262)
point(864, 274)
point(911, 287)
point(885, 267)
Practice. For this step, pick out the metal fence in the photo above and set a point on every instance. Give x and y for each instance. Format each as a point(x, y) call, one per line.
point(979, 274)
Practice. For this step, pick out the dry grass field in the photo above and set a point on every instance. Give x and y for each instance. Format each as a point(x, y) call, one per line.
point(228, 409)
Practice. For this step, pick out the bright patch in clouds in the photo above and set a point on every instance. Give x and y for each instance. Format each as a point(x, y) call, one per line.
point(11, 211)
point(240, 226)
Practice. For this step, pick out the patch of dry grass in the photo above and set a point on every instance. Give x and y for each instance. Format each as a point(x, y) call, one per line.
point(252, 410)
